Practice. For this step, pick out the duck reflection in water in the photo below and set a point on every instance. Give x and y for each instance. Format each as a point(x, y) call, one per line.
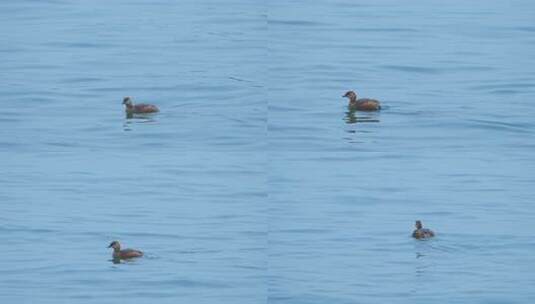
point(351, 117)
point(133, 119)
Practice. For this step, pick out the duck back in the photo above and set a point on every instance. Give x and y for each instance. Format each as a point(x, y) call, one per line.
point(365, 104)
point(145, 108)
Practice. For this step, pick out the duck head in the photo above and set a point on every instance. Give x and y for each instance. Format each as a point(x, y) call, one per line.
point(127, 101)
point(351, 95)
point(418, 225)
point(115, 245)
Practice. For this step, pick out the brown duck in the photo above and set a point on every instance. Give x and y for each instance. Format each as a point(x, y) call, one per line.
point(140, 108)
point(362, 104)
point(422, 233)
point(124, 254)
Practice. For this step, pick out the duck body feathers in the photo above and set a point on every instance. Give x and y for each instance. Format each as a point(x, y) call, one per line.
point(365, 104)
point(423, 233)
point(141, 108)
point(127, 254)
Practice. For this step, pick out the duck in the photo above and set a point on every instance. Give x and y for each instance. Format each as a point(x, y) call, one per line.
point(140, 108)
point(422, 233)
point(124, 254)
point(363, 104)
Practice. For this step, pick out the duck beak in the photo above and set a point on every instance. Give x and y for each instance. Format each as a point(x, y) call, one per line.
point(110, 245)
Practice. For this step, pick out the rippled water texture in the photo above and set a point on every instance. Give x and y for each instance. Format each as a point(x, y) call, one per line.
point(255, 184)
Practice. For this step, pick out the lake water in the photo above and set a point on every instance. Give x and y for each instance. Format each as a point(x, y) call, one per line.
point(254, 184)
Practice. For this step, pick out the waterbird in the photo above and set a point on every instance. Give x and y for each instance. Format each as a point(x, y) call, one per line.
point(124, 254)
point(422, 233)
point(140, 108)
point(362, 104)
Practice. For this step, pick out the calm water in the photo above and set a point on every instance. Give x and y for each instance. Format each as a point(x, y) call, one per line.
point(253, 184)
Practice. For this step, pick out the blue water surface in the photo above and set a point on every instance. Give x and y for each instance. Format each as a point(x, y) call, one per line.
point(254, 183)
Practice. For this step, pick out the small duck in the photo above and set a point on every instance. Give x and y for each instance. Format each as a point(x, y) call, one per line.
point(124, 254)
point(422, 233)
point(141, 108)
point(363, 104)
